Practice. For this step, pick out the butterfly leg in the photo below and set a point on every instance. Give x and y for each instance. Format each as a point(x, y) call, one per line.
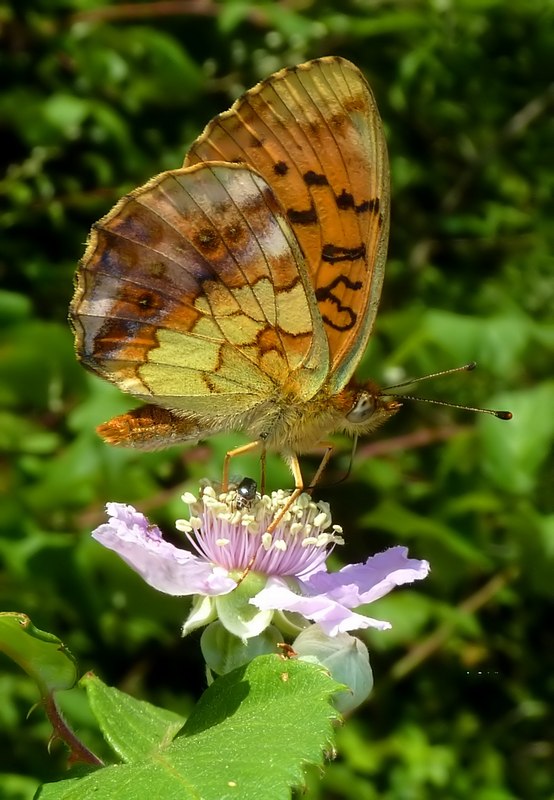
point(329, 447)
point(299, 482)
point(299, 488)
point(237, 451)
point(262, 471)
point(295, 494)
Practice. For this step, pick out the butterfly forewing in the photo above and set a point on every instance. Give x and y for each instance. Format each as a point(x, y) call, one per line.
point(314, 133)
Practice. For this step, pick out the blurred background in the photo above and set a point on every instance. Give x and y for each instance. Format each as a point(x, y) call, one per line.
point(96, 99)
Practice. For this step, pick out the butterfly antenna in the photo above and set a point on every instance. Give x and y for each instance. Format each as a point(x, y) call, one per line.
point(466, 368)
point(491, 411)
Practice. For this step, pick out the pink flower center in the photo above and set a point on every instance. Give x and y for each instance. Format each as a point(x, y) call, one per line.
point(233, 533)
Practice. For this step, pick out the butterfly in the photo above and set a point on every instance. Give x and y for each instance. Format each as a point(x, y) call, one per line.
point(239, 291)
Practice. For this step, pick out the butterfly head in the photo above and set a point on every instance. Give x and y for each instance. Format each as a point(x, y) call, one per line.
point(366, 408)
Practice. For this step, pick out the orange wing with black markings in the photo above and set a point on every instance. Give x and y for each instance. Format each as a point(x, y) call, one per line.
point(314, 133)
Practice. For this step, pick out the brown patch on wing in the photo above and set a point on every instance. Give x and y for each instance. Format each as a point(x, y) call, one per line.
point(203, 252)
point(151, 428)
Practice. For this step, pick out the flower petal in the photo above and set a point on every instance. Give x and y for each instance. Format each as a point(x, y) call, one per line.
point(327, 598)
point(161, 564)
point(357, 584)
point(333, 617)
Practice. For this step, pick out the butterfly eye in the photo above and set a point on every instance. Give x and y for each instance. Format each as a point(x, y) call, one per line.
point(362, 409)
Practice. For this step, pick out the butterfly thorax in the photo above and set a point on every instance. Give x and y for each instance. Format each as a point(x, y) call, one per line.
point(289, 426)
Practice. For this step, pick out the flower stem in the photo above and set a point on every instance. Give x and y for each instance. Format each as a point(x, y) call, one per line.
point(78, 752)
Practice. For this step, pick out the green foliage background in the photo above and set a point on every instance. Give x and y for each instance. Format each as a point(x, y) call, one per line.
point(97, 98)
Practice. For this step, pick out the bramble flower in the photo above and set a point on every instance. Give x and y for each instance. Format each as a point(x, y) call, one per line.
point(249, 578)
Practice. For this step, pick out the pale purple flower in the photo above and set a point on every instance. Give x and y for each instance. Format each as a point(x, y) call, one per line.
point(161, 564)
point(283, 571)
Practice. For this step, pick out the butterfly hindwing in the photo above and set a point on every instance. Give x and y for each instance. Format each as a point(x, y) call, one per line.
point(193, 294)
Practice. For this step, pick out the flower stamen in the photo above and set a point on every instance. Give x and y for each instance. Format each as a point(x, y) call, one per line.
point(241, 537)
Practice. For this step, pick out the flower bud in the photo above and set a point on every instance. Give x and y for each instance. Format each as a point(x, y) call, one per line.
point(345, 657)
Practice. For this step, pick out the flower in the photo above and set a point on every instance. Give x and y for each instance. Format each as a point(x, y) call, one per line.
point(250, 573)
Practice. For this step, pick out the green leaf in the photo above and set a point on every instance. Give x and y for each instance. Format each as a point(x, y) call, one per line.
point(496, 343)
point(251, 735)
point(65, 113)
point(13, 307)
point(232, 14)
point(42, 655)
point(21, 435)
point(402, 522)
point(133, 728)
point(224, 652)
point(516, 451)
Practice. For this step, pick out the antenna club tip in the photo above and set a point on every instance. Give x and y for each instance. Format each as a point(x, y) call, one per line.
point(471, 366)
point(504, 414)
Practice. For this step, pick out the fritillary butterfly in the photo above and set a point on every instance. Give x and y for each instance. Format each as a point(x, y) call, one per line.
point(239, 292)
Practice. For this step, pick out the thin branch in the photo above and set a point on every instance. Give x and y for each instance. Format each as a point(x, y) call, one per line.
point(420, 438)
point(435, 641)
